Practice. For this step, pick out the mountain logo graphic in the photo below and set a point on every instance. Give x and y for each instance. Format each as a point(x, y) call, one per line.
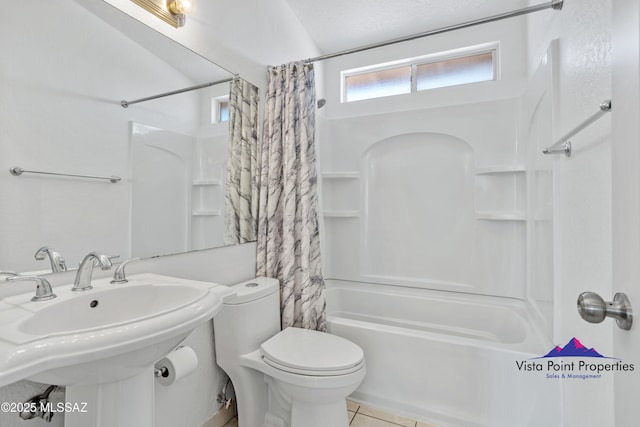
point(574, 348)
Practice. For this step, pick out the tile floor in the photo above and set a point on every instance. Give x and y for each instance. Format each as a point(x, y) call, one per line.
point(232, 423)
point(363, 416)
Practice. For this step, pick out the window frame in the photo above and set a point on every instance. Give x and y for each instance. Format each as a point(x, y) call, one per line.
point(493, 48)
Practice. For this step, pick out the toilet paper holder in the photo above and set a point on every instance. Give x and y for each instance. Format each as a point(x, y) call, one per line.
point(175, 365)
point(163, 371)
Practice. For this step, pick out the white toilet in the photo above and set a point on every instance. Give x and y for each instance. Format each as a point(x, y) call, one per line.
point(290, 378)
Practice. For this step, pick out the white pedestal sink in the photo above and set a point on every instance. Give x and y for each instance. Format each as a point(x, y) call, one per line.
point(102, 343)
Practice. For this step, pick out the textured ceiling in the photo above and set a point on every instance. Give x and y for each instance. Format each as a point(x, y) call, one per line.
point(336, 25)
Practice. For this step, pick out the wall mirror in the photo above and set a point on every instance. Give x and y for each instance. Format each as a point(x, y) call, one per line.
point(65, 68)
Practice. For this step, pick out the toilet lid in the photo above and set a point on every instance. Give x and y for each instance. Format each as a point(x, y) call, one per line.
point(311, 352)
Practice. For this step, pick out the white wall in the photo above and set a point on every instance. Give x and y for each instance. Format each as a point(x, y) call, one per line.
point(582, 186)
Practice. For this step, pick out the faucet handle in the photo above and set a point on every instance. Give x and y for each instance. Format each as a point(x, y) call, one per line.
point(8, 274)
point(119, 275)
point(99, 260)
point(43, 287)
point(58, 263)
point(41, 253)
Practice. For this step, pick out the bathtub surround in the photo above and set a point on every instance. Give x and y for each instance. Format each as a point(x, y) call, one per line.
point(412, 198)
point(444, 357)
point(427, 239)
point(288, 228)
point(243, 168)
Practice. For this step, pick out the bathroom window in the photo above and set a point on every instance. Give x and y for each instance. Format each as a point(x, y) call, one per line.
point(469, 65)
point(220, 109)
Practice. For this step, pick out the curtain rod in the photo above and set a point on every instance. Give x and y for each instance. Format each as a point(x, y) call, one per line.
point(555, 4)
point(125, 104)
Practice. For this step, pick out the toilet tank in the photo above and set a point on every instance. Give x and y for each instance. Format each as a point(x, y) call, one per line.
point(248, 319)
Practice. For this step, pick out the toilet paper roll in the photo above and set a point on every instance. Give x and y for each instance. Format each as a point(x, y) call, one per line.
point(178, 364)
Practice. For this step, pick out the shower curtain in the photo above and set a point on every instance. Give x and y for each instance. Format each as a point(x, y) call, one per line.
point(288, 228)
point(243, 170)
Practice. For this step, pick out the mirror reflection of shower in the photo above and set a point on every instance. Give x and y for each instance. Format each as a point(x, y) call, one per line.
point(204, 184)
point(66, 122)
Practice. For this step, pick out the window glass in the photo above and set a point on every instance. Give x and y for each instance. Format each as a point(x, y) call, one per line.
point(478, 66)
point(223, 111)
point(457, 71)
point(379, 83)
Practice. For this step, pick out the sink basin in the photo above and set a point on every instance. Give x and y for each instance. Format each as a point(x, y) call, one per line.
point(106, 334)
point(110, 307)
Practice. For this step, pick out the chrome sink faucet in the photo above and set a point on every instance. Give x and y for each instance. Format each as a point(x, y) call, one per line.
point(58, 263)
point(43, 287)
point(83, 276)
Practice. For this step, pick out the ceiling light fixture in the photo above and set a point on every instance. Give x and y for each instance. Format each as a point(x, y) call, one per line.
point(170, 11)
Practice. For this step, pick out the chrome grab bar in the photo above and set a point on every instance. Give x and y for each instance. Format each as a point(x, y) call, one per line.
point(563, 145)
point(17, 171)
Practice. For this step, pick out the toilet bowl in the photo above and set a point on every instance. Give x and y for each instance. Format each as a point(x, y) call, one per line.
point(290, 378)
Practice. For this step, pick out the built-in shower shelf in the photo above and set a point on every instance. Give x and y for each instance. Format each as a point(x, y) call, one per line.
point(341, 175)
point(341, 214)
point(499, 169)
point(501, 216)
point(203, 212)
point(206, 182)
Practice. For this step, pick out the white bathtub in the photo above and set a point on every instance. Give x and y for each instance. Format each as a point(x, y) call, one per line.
point(443, 357)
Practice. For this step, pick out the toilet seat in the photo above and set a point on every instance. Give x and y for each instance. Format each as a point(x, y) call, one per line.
point(312, 353)
point(311, 372)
